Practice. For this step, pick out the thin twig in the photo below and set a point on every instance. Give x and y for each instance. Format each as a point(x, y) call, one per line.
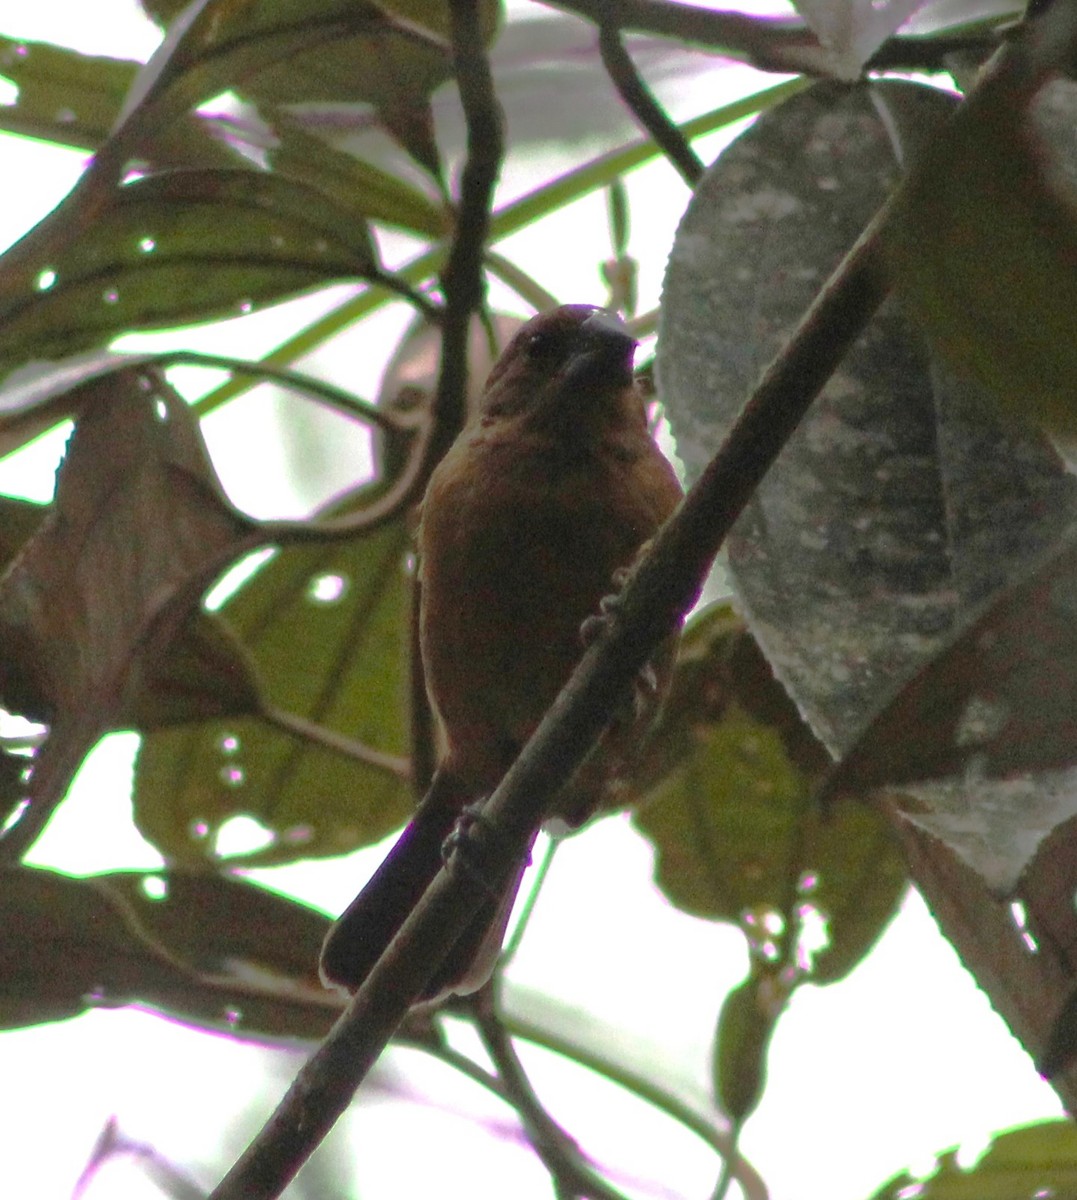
point(391, 420)
point(703, 1125)
point(311, 732)
point(528, 289)
point(560, 1154)
point(640, 99)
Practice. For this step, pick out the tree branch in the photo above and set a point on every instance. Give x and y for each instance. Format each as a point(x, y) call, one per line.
point(561, 1156)
point(771, 43)
point(462, 279)
point(639, 98)
point(662, 589)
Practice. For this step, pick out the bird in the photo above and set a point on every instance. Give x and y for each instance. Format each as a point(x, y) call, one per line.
point(548, 493)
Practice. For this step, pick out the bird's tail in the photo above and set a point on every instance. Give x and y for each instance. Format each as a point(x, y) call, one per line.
point(367, 926)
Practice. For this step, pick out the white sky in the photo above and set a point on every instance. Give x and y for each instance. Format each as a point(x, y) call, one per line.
point(903, 1060)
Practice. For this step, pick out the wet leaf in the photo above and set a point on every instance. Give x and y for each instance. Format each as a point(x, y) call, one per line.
point(1038, 1160)
point(183, 246)
point(905, 498)
point(326, 627)
point(727, 788)
point(138, 529)
point(216, 951)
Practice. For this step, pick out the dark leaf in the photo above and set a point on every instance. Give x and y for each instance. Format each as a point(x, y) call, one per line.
point(982, 745)
point(391, 56)
point(216, 951)
point(353, 183)
point(904, 499)
point(745, 1026)
point(138, 529)
point(728, 785)
point(984, 244)
point(65, 97)
point(203, 673)
point(184, 246)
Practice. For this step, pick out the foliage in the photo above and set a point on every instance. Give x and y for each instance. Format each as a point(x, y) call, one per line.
point(901, 677)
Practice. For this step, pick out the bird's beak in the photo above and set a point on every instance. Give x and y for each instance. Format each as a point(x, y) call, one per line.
point(604, 351)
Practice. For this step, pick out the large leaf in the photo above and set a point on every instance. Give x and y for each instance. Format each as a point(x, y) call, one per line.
point(984, 244)
point(326, 628)
point(904, 499)
point(391, 56)
point(728, 801)
point(64, 96)
point(138, 529)
point(183, 246)
point(1037, 1161)
point(982, 745)
point(220, 952)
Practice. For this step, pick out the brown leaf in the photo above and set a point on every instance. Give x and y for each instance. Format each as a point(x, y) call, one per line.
point(218, 951)
point(138, 530)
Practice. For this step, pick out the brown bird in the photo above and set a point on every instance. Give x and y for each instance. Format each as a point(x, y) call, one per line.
point(550, 490)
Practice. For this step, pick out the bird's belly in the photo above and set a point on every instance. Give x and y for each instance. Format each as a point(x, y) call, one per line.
point(509, 573)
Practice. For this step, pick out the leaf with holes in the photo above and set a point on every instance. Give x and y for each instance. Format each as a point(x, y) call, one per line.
point(64, 97)
point(326, 627)
point(727, 786)
point(182, 246)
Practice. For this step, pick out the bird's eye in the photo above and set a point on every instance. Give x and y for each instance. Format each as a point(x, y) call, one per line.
point(544, 345)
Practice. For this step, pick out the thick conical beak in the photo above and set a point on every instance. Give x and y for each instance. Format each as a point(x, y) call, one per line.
point(605, 351)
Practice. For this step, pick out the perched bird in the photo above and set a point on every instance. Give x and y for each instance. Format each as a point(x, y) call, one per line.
point(552, 488)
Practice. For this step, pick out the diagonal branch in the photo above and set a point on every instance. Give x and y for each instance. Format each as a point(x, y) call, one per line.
point(662, 589)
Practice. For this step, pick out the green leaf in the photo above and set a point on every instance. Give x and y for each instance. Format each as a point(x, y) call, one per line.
point(745, 1026)
point(351, 182)
point(186, 944)
point(64, 97)
point(340, 662)
point(728, 788)
point(983, 243)
point(391, 55)
point(183, 246)
point(1038, 1160)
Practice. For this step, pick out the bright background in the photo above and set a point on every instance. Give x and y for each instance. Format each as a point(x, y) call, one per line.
point(878, 1073)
